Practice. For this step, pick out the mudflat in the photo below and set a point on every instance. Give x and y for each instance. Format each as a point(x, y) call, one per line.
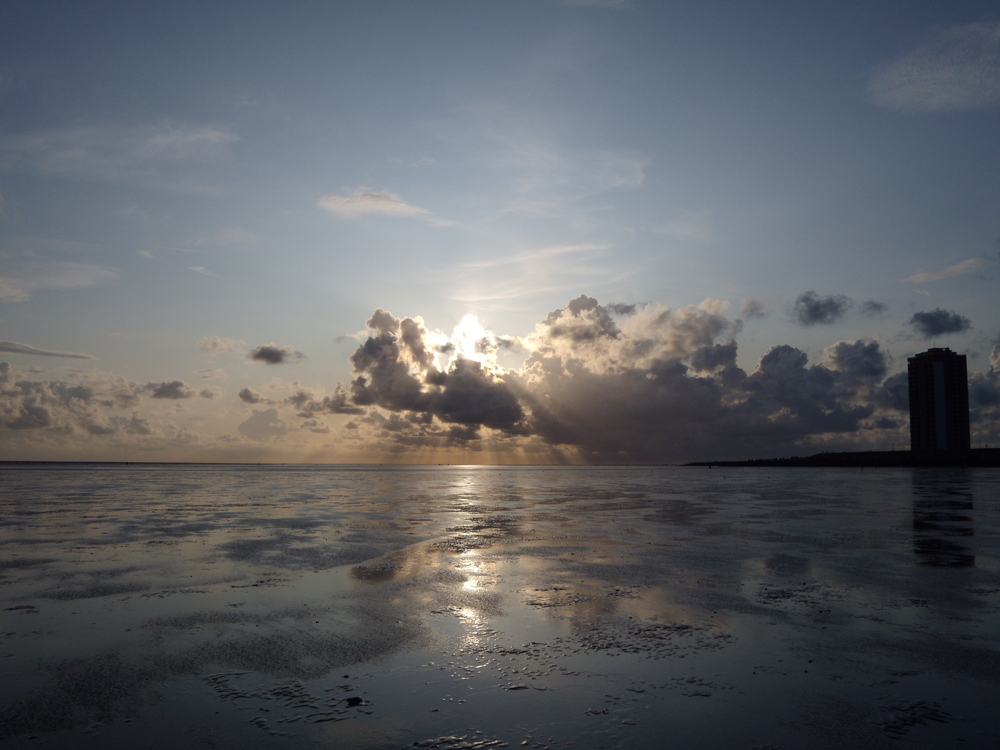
point(477, 607)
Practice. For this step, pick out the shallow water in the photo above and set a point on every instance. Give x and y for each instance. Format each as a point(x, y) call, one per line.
point(478, 607)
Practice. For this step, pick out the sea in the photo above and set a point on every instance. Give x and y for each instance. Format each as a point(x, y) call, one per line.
point(231, 606)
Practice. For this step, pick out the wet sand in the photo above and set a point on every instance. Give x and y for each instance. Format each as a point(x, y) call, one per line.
point(478, 607)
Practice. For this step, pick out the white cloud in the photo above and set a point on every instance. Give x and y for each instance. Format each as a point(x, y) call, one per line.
point(145, 254)
point(365, 201)
point(966, 266)
point(960, 69)
point(200, 269)
point(21, 283)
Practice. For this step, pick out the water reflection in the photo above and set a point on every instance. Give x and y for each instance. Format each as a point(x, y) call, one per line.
point(942, 518)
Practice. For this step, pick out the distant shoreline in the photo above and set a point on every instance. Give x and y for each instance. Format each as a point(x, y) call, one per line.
point(975, 458)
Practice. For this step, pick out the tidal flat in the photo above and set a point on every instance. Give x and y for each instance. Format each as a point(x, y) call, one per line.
point(165, 606)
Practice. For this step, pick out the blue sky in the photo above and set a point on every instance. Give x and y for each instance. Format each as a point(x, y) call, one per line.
point(182, 185)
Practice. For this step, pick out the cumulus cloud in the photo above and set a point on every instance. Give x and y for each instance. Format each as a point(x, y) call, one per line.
point(15, 348)
point(858, 359)
point(366, 201)
point(661, 384)
point(939, 322)
point(812, 309)
point(309, 403)
point(272, 354)
point(173, 390)
point(966, 266)
point(959, 69)
point(64, 409)
point(250, 396)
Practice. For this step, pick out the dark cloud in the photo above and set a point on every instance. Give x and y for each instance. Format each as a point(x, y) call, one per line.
point(271, 354)
point(860, 359)
point(659, 386)
point(871, 308)
point(619, 309)
point(15, 348)
point(811, 309)
point(309, 403)
point(396, 370)
point(939, 322)
point(250, 396)
point(175, 389)
point(894, 393)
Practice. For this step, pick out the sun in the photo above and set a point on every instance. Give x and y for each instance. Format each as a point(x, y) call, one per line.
point(473, 342)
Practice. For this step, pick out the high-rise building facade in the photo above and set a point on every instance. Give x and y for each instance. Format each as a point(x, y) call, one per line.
point(939, 400)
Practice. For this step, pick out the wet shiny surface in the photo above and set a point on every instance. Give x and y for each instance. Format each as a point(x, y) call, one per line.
point(468, 607)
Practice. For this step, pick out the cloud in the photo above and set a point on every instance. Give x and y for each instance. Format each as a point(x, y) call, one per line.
point(63, 409)
point(263, 426)
point(858, 359)
point(620, 309)
point(652, 384)
point(939, 322)
point(250, 396)
point(20, 283)
point(959, 69)
point(966, 266)
point(174, 390)
point(308, 403)
point(200, 269)
point(366, 201)
point(115, 153)
point(752, 308)
point(871, 308)
point(218, 345)
point(271, 354)
point(811, 309)
point(15, 348)
point(145, 254)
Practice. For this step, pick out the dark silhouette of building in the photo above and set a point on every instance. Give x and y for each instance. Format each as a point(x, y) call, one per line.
point(939, 401)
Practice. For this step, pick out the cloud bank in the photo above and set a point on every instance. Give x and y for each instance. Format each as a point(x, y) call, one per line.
point(659, 385)
point(616, 383)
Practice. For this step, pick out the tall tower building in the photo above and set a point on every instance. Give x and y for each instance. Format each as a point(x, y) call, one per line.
point(939, 400)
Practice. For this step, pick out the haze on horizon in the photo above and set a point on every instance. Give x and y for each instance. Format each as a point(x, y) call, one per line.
point(553, 232)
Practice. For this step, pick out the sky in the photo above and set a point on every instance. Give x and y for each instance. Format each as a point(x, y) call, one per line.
point(491, 232)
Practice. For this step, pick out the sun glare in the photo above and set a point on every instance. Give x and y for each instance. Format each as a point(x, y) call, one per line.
point(469, 337)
